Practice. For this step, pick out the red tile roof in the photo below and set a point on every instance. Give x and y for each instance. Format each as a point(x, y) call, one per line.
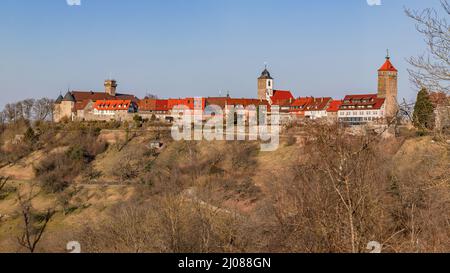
point(222, 101)
point(334, 106)
point(318, 104)
point(369, 101)
point(360, 97)
point(302, 101)
point(282, 95)
point(153, 105)
point(112, 105)
point(388, 66)
point(82, 98)
point(299, 105)
point(189, 102)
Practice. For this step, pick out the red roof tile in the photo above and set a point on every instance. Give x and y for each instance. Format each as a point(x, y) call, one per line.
point(334, 106)
point(370, 101)
point(222, 101)
point(153, 105)
point(360, 97)
point(282, 95)
point(112, 105)
point(318, 104)
point(82, 98)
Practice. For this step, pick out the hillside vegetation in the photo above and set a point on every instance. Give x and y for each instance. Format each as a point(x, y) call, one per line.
point(105, 186)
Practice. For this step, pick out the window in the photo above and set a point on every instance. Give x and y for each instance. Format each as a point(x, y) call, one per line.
point(269, 84)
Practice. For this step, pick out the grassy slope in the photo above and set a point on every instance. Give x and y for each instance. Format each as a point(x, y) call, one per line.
point(89, 202)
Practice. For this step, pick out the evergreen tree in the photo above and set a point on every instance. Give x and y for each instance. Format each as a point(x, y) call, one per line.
point(423, 111)
point(30, 136)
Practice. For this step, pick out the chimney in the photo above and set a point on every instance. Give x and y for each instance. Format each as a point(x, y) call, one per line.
point(110, 87)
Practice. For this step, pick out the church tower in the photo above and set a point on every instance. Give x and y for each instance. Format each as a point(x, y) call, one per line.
point(265, 85)
point(388, 87)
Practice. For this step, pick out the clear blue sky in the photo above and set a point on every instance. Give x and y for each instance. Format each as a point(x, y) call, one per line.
point(177, 48)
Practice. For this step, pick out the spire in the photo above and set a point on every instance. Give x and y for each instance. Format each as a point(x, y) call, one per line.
point(59, 99)
point(69, 97)
point(265, 74)
point(388, 66)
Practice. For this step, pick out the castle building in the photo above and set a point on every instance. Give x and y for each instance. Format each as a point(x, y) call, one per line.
point(355, 109)
point(79, 105)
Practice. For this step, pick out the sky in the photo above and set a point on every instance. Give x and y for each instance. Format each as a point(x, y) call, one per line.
point(180, 48)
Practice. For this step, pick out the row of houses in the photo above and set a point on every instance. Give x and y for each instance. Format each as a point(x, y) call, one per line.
point(353, 109)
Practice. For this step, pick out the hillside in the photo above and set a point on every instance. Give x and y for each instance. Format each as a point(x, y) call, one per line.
point(225, 196)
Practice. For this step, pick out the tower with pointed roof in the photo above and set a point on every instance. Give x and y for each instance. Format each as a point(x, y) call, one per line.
point(63, 107)
point(388, 86)
point(265, 85)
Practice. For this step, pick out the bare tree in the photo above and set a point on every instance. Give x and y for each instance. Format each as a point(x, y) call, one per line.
point(406, 111)
point(10, 112)
point(2, 119)
point(27, 108)
point(432, 68)
point(43, 109)
point(34, 225)
point(3, 181)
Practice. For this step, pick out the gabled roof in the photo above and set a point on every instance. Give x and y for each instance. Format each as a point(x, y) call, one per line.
point(265, 75)
point(299, 105)
point(360, 97)
point(318, 104)
point(282, 95)
point(69, 97)
point(388, 66)
point(223, 101)
point(369, 101)
point(188, 102)
point(59, 99)
point(82, 98)
point(112, 105)
point(90, 95)
point(153, 105)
